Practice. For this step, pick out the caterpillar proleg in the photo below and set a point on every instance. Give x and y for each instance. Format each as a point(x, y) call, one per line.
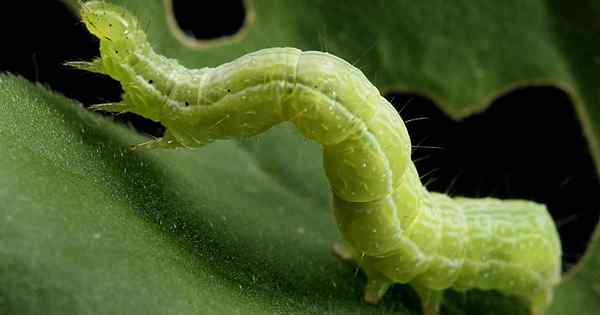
point(395, 230)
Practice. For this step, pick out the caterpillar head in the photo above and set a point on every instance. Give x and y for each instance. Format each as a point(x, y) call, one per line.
point(107, 21)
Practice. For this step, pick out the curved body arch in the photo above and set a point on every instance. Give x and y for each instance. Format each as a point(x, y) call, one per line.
point(395, 229)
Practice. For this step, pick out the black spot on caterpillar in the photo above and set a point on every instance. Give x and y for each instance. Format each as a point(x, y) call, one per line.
point(395, 229)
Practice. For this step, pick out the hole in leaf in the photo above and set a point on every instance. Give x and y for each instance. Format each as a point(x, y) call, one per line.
point(42, 59)
point(38, 53)
point(205, 20)
point(527, 145)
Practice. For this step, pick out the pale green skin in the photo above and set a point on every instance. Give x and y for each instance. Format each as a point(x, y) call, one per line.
point(395, 229)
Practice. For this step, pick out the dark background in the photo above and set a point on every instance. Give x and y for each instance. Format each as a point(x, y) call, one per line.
point(512, 150)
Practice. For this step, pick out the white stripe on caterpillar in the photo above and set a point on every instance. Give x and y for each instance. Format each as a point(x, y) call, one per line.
point(395, 229)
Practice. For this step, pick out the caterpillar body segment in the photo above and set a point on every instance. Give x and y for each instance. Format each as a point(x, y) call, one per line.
point(395, 229)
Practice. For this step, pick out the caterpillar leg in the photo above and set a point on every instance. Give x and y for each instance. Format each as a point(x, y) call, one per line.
point(166, 142)
point(91, 66)
point(431, 300)
point(344, 252)
point(377, 284)
point(540, 302)
point(110, 107)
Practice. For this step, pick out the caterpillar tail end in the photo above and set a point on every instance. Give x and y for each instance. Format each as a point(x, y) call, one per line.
point(90, 66)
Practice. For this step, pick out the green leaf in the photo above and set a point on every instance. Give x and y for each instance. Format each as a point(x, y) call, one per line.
point(461, 54)
point(89, 227)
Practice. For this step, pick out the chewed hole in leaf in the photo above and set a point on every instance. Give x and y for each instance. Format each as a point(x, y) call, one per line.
point(208, 23)
point(36, 55)
point(528, 145)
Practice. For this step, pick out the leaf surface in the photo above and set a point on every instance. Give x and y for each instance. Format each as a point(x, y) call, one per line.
point(244, 226)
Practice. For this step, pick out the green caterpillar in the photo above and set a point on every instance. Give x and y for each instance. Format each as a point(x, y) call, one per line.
point(395, 229)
